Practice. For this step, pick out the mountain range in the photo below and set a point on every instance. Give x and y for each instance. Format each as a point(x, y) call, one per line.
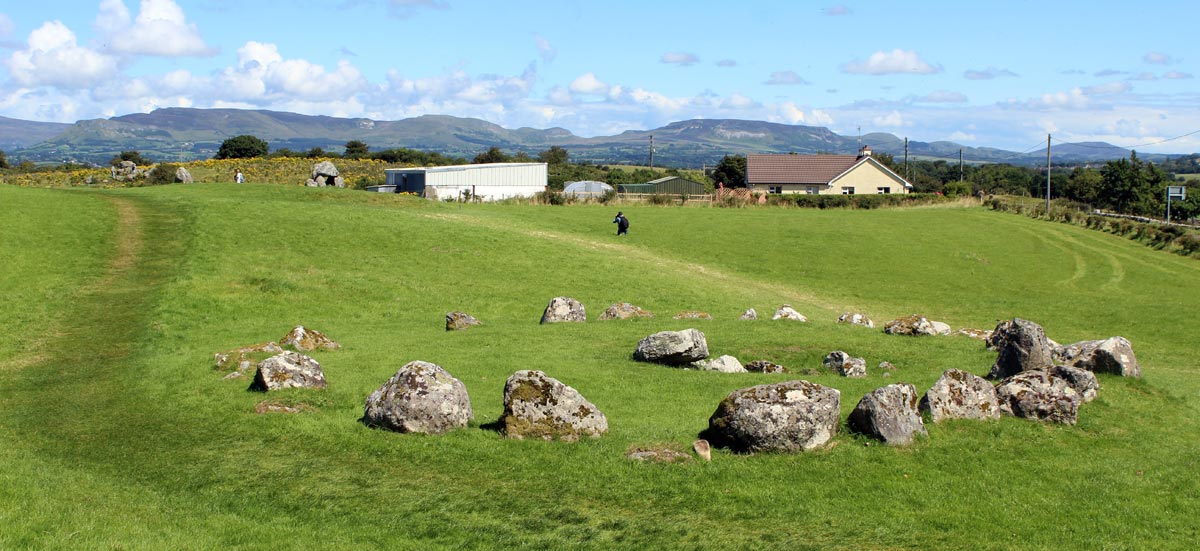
point(184, 134)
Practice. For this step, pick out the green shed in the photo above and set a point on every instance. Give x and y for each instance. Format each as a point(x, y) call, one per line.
point(674, 185)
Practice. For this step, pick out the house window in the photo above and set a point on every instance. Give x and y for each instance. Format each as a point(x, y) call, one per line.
point(847, 191)
point(883, 190)
point(775, 189)
point(812, 190)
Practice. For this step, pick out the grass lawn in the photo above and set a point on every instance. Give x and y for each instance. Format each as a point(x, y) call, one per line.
point(116, 432)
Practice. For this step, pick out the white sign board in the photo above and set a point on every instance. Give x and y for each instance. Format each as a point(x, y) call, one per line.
point(1177, 192)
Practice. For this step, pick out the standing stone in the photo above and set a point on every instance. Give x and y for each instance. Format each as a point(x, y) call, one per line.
point(913, 325)
point(672, 347)
point(288, 370)
point(1083, 381)
point(855, 318)
point(421, 397)
point(785, 417)
point(183, 176)
point(961, 395)
point(624, 311)
point(749, 315)
point(846, 365)
point(764, 366)
point(1037, 395)
point(1112, 355)
point(723, 364)
point(786, 312)
point(325, 174)
point(889, 414)
point(306, 340)
point(537, 406)
point(564, 309)
point(456, 321)
point(1023, 346)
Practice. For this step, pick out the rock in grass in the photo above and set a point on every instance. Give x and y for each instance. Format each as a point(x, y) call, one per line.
point(961, 395)
point(786, 312)
point(1083, 381)
point(693, 315)
point(1022, 346)
point(1112, 355)
point(1038, 395)
point(782, 417)
point(306, 340)
point(855, 318)
point(764, 366)
point(421, 397)
point(242, 358)
point(538, 406)
point(457, 321)
point(564, 310)
point(702, 449)
point(749, 315)
point(288, 370)
point(724, 364)
point(845, 365)
point(624, 311)
point(659, 454)
point(672, 347)
point(914, 325)
point(889, 414)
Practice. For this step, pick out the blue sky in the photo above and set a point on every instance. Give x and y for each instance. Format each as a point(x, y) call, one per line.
point(984, 74)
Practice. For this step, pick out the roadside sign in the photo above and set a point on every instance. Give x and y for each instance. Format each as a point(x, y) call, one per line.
point(1177, 192)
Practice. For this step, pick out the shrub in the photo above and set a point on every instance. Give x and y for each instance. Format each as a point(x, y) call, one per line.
point(660, 199)
point(161, 174)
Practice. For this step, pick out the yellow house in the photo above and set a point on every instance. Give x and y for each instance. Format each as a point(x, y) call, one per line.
point(822, 174)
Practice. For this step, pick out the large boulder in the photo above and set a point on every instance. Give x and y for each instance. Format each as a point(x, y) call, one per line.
point(672, 347)
point(288, 370)
point(855, 318)
point(786, 312)
point(306, 340)
point(325, 174)
point(564, 310)
point(1112, 355)
point(624, 311)
point(889, 414)
point(723, 364)
point(537, 406)
point(1023, 346)
point(1040, 396)
point(457, 321)
point(1083, 381)
point(845, 365)
point(914, 325)
point(961, 395)
point(781, 417)
point(421, 397)
point(183, 176)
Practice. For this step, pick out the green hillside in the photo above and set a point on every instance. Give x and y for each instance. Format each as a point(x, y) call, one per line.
point(116, 431)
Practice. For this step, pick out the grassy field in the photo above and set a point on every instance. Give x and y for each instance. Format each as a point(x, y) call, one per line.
point(116, 432)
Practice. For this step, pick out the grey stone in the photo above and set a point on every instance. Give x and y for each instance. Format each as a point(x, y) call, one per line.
point(855, 318)
point(786, 312)
point(421, 397)
point(672, 347)
point(1083, 381)
point(958, 394)
point(749, 315)
point(305, 340)
point(659, 455)
point(764, 366)
point(940, 328)
point(243, 357)
point(1022, 346)
point(624, 311)
point(914, 325)
point(564, 310)
point(1037, 395)
point(886, 366)
point(324, 168)
point(537, 406)
point(457, 321)
point(845, 365)
point(288, 370)
point(693, 315)
point(1112, 355)
point(782, 417)
point(889, 414)
point(724, 364)
point(183, 176)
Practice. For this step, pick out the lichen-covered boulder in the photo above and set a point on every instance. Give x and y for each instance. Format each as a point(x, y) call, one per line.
point(564, 310)
point(288, 370)
point(914, 325)
point(672, 347)
point(782, 417)
point(764, 366)
point(1112, 355)
point(243, 358)
point(889, 414)
point(786, 312)
point(537, 406)
point(723, 364)
point(1023, 346)
point(421, 397)
point(961, 395)
point(457, 321)
point(749, 315)
point(307, 340)
point(624, 311)
point(693, 315)
point(1083, 381)
point(845, 365)
point(855, 318)
point(1038, 395)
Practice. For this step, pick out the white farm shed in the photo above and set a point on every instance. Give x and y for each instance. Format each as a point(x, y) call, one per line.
point(489, 182)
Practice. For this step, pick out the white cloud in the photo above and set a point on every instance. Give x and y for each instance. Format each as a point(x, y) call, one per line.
point(587, 83)
point(559, 96)
point(679, 58)
point(785, 78)
point(545, 50)
point(790, 113)
point(988, 74)
point(959, 136)
point(53, 58)
point(7, 27)
point(893, 119)
point(739, 102)
point(160, 29)
point(1115, 87)
point(1157, 58)
point(943, 96)
point(1176, 75)
point(1145, 76)
point(1072, 99)
point(889, 63)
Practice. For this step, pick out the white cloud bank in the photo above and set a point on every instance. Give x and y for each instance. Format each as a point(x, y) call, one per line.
point(891, 63)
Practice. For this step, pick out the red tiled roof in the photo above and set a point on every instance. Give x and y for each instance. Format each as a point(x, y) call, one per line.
point(796, 169)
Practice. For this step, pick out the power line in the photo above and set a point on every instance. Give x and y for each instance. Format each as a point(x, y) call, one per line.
point(1129, 146)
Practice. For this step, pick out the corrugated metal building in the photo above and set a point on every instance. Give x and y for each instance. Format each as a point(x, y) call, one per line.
point(489, 182)
point(670, 185)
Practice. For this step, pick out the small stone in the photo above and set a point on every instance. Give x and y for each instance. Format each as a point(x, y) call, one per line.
point(457, 321)
point(288, 370)
point(1083, 381)
point(786, 312)
point(855, 318)
point(693, 315)
point(624, 311)
point(764, 366)
point(1039, 396)
point(307, 340)
point(672, 347)
point(703, 449)
point(845, 365)
point(564, 310)
point(723, 364)
point(749, 315)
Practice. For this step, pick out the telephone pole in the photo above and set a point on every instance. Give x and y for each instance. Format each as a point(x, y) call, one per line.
point(906, 178)
point(652, 151)
point(1047, 175)
point(960, 168)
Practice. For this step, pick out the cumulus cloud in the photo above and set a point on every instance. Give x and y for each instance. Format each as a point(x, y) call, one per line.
point(52, 57)
point(988, 74)
point(6, 27)
point(1109, 73)
point(1074, 98)
point(160, 29)
point(408, 8)
point(263, 75)
point(587, 83)
point(739, 102)
point(943, 96)
point(785, 78)
point(679, 58)
point(1176, 75)
point(893, 119)
point(545, 50)
point(890, 63)
point(1157, 58)
point(727, 63)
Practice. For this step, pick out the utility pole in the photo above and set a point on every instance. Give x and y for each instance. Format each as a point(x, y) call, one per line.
point(960, 168)
point(1047, 175)
point(906, 178)
point(652, 151)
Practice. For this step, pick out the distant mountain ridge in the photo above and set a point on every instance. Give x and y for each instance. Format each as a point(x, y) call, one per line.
point(187, 133)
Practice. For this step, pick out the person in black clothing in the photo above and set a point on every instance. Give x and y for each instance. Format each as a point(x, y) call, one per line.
point(622, 224)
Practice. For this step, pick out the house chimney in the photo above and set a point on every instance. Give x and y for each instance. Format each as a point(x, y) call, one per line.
point(864, 151)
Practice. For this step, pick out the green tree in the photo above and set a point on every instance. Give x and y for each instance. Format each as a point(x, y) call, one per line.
point(132, 156)
point(242, 147)
point(492, 155)
point(554, 156)
point(731, 171)
point(356, 150)
point(315, 153)
point(1131, 186)
point(3, 160)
